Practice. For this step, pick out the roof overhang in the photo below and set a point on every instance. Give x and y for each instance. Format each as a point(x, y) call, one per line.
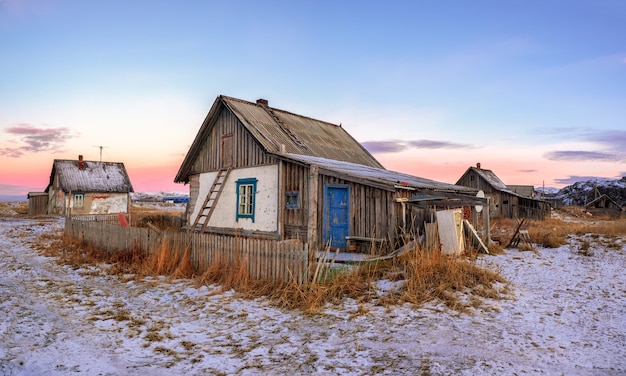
point(446, 199)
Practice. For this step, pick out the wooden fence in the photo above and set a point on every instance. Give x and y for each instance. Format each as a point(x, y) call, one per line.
point(265, 259)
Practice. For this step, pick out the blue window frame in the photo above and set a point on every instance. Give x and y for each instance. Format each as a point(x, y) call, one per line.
point(246, 192)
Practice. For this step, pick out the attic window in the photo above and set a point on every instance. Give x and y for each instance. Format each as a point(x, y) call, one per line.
point(472, 177)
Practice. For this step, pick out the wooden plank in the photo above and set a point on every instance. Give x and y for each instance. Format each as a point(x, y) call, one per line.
point(313, 207)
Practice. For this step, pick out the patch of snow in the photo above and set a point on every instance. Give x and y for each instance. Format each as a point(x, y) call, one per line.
point(566, 315)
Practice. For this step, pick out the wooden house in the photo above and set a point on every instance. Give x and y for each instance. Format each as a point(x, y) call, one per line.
point(258, 171)
point(503, 202)
point(88, 187)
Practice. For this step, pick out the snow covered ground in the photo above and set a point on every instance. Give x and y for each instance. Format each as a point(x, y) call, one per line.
point(566, 315)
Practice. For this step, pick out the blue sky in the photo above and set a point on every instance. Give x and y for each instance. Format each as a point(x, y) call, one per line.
point(533, 90)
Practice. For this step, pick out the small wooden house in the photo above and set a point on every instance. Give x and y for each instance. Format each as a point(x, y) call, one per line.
point(503, 202)
point(524, 190)
point(88, 187)
point(604, 205)
point(259, 171)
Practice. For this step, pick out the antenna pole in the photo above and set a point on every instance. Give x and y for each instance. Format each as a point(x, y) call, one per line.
point(101, 147)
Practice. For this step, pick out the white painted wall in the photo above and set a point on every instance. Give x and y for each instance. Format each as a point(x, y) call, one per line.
point(99, 203)
point(225, 215)
point(108, 203)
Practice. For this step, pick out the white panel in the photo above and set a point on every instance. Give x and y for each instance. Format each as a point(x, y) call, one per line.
point(108, 203)
point(266, 199)
point(450, 227)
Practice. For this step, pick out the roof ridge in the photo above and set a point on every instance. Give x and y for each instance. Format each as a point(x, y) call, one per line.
point(280, 110)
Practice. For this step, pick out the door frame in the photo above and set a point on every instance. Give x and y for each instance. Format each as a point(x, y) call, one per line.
point(326, 225)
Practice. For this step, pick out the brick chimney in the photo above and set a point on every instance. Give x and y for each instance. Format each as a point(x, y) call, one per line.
point(262, 102)
point(478, 165)
point(81, 163)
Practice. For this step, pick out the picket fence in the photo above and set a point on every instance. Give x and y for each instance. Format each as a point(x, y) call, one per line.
point(265, 259)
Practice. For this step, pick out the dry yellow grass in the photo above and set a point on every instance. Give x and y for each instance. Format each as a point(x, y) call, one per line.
point(13, 209)
point(433, 275)
point(458, 282)
point(160, 216)
point(553, 232)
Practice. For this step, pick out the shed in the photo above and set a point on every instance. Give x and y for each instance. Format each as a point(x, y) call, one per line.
point(259, 171)
point(503, 202)
point(37, 203)
point(88, 187)
point(604, 205)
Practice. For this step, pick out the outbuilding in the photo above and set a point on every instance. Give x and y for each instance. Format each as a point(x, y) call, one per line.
point(503, 202)
point(88, 187)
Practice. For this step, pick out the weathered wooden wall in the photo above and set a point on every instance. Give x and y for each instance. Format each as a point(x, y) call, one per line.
point(373, 211)
point(265, 259)
point(241, 150)
point(38, 204)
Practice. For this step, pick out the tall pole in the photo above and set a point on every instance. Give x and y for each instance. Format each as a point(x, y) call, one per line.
point(101, 147)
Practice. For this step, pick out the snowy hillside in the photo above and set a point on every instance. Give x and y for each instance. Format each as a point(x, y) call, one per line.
point(583, 192)
point(156, 196)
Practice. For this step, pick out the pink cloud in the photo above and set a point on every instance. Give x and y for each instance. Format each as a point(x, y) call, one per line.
point(35, 139)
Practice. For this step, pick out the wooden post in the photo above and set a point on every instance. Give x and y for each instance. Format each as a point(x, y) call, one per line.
point(281, 200)
point(486, 224)
point(313, 195)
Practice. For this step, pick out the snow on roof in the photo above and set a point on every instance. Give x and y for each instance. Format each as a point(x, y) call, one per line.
point(491, 178)
point(377, 175)
point(94, 177)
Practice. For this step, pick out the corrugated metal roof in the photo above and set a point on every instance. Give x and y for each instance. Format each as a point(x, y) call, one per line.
point(388, 178)
point(299, 134)
point(273, 127)
point(95, 177)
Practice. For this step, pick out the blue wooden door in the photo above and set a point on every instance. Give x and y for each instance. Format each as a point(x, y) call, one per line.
point(336, 214)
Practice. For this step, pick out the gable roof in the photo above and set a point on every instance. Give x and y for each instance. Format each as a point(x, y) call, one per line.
point(279, 131)
point(94, 177)
point(491, 178)
point(604, 196)
point(494, 181)
point(379, 177)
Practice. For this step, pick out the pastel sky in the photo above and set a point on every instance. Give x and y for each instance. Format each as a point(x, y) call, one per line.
point(534, 90)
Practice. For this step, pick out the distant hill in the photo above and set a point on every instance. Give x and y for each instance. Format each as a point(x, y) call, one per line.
point(12, 198)
point(157, 196)
point(583, 192)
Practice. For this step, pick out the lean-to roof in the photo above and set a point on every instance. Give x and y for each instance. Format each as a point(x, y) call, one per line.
point(376, 176)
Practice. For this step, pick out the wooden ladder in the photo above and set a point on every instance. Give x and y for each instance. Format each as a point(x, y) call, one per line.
point(211, 199)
